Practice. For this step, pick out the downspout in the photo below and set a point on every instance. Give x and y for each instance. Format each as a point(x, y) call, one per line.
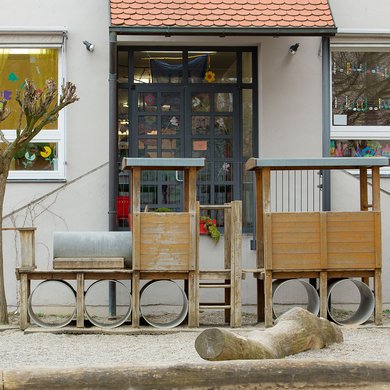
point(113, 153)
point(113, 142)
point(326, 120)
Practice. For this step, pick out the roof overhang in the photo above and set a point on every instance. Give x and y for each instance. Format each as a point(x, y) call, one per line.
point(222, 32)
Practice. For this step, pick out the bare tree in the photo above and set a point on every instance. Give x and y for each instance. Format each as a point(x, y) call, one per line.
point(38, 108)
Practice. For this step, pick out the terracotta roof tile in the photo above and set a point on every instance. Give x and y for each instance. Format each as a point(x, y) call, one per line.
point(222, 13)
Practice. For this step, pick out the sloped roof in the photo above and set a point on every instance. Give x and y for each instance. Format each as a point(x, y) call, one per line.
point(221, 14)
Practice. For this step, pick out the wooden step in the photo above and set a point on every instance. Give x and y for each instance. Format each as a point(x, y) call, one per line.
point(214, 285)
point(215, 274)
point(211, 306)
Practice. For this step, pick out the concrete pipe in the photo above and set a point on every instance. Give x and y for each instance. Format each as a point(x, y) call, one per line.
point(366, 304)
point(154, 289)
point(313, 300)
point(66, 293)
point(99, 314)
point(93, 245)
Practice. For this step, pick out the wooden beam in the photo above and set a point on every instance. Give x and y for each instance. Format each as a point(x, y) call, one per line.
point(363, 190)
point(80, 300)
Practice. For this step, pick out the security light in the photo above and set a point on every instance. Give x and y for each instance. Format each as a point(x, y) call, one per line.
point(293, 48)
point(89, 46)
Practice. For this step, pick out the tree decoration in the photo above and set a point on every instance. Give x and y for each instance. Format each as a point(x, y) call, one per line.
point(209, 75)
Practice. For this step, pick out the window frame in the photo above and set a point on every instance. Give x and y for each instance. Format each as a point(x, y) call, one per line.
point(356, 132)
point(54, 135)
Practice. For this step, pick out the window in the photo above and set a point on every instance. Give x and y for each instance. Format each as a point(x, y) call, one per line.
point(360, 123)
point(43, 158)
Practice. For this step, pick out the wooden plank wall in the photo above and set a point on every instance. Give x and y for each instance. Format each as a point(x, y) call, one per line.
point(164, 241)
point(328, 240)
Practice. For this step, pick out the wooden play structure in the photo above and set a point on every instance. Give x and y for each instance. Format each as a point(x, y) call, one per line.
point(317, 245)
point(162, 245)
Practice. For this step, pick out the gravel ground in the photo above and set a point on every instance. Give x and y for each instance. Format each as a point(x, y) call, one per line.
point(22, 350)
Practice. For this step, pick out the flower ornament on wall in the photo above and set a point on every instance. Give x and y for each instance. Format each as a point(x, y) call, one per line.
point(46, 153)
point(209, 76)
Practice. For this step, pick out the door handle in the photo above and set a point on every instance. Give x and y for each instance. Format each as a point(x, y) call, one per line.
point(177, 177)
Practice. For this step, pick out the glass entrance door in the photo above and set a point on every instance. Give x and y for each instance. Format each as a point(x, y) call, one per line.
point(213, 133)
point(158, 131)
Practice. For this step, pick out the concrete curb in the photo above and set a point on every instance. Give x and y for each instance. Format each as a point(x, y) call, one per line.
point(264, 374)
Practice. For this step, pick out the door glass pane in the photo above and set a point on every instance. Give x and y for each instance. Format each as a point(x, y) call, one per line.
point(247, 67)
point(171, 194)
point(170, 101)
point(200, 102)
point(200, 148)
point(147, 148)
point(170, 147)
point(223, 193)
point(200, 125)
point(123, 124)
point(212, 67)
point(223, 148)
point(147, 101)
point(223, 125)
point(158, 66)
point(223, 102)
point(148, 193)
point(223, 171)
point(170, 124)
point(247, 123)
point(147, 125)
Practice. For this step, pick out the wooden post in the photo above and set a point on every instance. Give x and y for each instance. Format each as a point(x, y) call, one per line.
point(363, 190)
point(80, 300)
point(227, 259)
point(135, 287)
point(323, 294)
point(268, 299)
point(378, 296)
point(236, 261)
point(376, 189)
point(24, 294)
point(193, 299)
point(136, 216)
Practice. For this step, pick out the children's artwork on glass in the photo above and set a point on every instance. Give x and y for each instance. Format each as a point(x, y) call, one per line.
point(359, 148)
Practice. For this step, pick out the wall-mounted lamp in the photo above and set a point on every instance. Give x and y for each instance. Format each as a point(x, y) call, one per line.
point(89, 46)
point(293, 49)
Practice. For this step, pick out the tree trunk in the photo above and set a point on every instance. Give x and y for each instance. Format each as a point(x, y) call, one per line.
point(295, 331)
point(4, 169)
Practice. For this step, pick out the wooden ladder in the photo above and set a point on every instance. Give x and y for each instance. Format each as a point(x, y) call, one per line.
point(228, 278)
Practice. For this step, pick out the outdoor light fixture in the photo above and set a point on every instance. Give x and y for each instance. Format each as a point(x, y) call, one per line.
point(293, 48)
point(89, 46)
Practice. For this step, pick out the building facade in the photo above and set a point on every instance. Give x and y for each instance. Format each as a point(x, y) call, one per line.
point(170, 79)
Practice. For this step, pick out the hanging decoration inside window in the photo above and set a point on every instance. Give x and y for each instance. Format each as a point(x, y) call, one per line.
point(209, 75)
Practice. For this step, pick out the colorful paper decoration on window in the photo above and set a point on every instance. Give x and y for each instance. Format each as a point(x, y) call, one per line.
point(46, 152)
point(12, 77)
point(209, 76)
point(150, 99)
point(7, 95)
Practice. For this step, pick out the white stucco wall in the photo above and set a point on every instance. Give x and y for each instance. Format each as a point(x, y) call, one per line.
point(82, 204)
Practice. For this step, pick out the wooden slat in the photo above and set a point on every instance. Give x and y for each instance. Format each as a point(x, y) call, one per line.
point(350, 216)
point(298, 261)
point(268, 299)
point(323, 295)
point(164, 261)
point(213, 307)
point(348, 227)
point(164, 219)
point(294, 237)
point(214, 285)
point(163, 248)
point(214, 274)
point(193, 299)
point(296, 227)
point(89, 263)
point(297, 247)
point(308, 217)
point(351, 247)
point(347, 236)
